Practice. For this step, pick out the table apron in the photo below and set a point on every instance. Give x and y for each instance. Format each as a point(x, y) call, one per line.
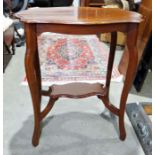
point(81, 29)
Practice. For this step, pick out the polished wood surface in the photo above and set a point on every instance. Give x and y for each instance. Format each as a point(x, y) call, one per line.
point(82, 15)
point(77, 90)
point(78, 21)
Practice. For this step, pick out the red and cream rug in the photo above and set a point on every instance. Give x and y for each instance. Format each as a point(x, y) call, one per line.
point(73, 58)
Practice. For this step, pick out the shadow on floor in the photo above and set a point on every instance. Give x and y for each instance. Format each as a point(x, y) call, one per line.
point(74, 133)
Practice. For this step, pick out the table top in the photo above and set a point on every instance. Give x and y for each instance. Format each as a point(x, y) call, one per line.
point(78, 15)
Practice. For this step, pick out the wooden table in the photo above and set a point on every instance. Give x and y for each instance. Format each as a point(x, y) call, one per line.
point(83, 20)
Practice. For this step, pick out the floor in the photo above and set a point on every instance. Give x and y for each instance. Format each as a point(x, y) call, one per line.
point(147, 87)
point(73, 127)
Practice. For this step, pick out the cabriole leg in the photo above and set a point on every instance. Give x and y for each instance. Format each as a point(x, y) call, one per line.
point(131, 70)
point(33, 77)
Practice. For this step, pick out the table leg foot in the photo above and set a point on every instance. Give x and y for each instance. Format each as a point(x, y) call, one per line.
point(36, 136)
point(122, 129)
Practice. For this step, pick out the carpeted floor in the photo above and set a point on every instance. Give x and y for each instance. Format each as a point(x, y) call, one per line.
point(73, 127)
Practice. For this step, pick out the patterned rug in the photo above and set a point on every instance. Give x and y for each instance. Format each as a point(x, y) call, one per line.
point(73, 58)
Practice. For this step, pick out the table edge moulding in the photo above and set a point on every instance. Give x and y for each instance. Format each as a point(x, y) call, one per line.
point(78, 20)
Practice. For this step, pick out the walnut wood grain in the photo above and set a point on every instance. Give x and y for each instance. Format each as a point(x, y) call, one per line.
point(78, 21)
point(75, 15)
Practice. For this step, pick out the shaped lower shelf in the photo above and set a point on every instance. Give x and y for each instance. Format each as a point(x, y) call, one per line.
point(77, 90)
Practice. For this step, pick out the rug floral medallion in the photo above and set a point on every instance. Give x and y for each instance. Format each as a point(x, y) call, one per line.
point(72, 58)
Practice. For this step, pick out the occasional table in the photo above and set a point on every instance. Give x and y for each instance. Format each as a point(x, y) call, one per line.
point(78, 20)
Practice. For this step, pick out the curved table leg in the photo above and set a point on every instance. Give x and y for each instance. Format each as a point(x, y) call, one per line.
point(111, 60)
point(105, 99)
point(48, 107)
point(33, 77)
point(131, 70)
